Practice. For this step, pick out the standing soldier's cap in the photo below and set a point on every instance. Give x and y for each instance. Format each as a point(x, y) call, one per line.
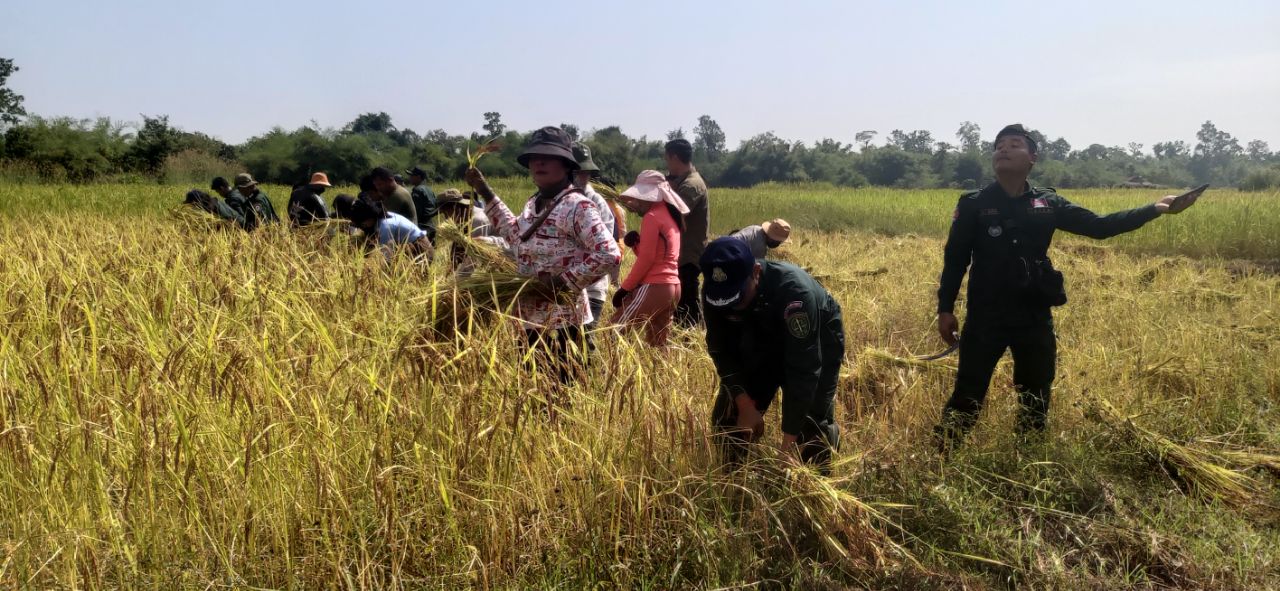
point(726, 264)
point(549, 141)
point(582, 154)
point(321, 179)
point(777, 230)
point(245, 180)
point(416, 171)
point(1017, 129)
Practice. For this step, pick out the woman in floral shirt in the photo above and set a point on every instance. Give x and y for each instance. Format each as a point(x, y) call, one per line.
point(560, 239)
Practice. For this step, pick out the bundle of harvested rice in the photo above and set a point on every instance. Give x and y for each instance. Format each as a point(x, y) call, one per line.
point(1196, 471)
point(851, 531)
point(484, 255)
point(488, 291)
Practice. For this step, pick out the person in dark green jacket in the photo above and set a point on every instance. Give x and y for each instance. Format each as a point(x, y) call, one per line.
point(771, 325)
point(251, 203)
point(1005, 230)
point(210, 204)
point(425, 203)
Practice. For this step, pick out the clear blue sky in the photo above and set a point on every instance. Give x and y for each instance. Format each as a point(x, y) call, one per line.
point(1107, 72)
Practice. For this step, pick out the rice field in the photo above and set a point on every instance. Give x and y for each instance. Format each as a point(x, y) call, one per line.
point(183, 407)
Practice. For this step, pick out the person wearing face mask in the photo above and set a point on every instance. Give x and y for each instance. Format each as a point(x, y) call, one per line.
point(560, 240)
point(764, 237)
point(1005, 230)
point(649, 294)
point(306, 204)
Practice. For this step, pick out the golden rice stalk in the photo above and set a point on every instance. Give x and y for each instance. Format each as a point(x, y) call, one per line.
point(1248, 460)
point(1196, 470)
point(851, 531)
point(485, 255)
point(609, 193)
point(487, 291)
point(195, 218)
point(488, 147)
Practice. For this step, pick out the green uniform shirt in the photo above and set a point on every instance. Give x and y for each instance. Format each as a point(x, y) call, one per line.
point(693, 240)
point(426, 206)
point(994, 231)
point(399, 201)
point(780, 335)
point(255, 210)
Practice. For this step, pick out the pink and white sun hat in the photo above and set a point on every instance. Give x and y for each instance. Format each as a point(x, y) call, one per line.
point(651, 186)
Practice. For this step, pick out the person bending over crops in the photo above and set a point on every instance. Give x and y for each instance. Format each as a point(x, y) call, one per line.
point(251, 203)
point(587, 169)
point(762, 238)
point(425, 203)
point(210, 204)
point(649, 294)
point(558, 239)
point(771, 325)
point(393, 232)
point(306, 205)
point(1005, 229)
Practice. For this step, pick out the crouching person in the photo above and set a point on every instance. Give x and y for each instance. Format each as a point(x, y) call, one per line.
point(770, 325)
point(393, 232)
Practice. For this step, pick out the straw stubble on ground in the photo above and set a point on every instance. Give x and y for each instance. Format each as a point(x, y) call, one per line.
point(192, 407)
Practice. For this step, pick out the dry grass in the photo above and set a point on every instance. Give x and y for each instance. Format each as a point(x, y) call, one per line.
point(184, 408)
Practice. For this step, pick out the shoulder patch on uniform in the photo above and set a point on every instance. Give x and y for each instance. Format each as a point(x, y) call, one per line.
point(970, 194)
point(798, 322)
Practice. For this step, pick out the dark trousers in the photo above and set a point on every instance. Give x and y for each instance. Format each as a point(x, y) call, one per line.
point(562, 352)
point(819, 435)
point(597, 308)
point(982, 344)
point(689, 309)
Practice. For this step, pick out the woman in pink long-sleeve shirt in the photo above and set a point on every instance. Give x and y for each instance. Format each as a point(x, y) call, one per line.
point(650, 292)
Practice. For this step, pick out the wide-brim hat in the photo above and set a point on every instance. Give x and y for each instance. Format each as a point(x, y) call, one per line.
point(653, 187)
point(582, 154)
point(321, 179)
point(726, 264)
point(777, 230)
point(549, 141)
point(245, 180)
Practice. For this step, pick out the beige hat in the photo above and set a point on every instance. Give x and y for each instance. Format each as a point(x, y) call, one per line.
point(245, 180)
point(778, 230)
point(453, 197)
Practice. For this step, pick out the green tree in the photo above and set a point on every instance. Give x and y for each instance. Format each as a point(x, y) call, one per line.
point(708, 140)
point(970, 136)
point(865, 137)
point(153, 143)
point(919, 141)
point(11, 110)
point(370, 123)
point(493, 125)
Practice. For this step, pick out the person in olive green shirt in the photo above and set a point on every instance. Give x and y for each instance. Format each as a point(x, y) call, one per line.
point(425, 203)
point(210, 204)
point(394, 198)
point(252, 204)
point(684, 178)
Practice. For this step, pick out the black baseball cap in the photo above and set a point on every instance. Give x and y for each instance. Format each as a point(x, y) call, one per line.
point(726, 264)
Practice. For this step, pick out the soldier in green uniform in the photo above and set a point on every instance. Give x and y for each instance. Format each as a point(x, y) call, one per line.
point(251, 203)
point(771, 325)
point(425, 203)
point(210, 204)
point(1005, 230)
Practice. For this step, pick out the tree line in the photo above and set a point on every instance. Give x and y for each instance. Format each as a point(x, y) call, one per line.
point(63, 149)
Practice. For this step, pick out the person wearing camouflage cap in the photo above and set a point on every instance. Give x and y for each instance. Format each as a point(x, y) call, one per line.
point(251, 203)
point(1005, 230)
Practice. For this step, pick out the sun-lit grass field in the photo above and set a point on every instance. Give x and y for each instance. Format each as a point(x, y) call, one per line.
point(186, 407)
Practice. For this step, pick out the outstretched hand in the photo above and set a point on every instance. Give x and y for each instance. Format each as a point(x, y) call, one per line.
point(1170, 204)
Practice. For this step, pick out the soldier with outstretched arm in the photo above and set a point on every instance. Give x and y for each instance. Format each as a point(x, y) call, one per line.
point(1005, 230)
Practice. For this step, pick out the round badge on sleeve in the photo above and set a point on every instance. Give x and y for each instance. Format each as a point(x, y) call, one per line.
point(995, 231)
